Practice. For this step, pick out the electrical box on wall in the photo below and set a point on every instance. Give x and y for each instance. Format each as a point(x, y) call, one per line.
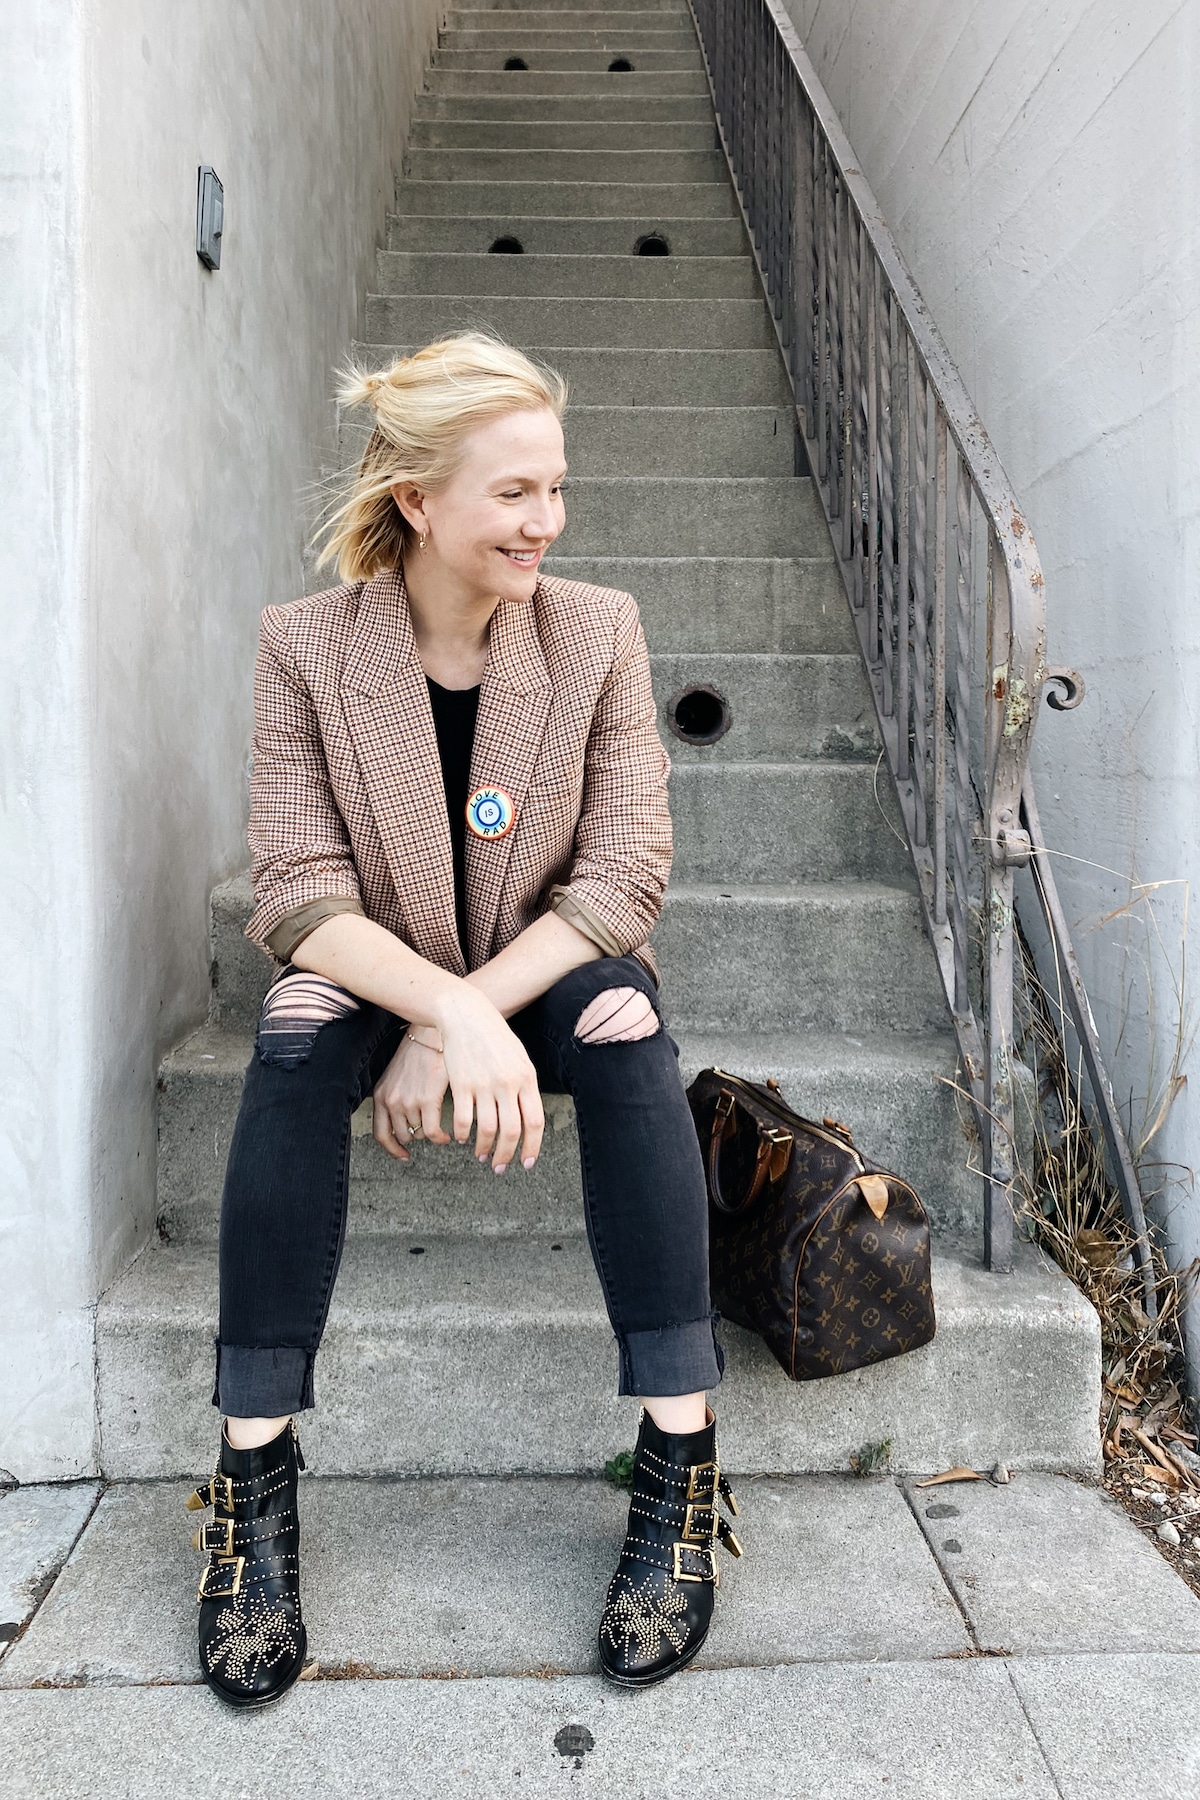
point(210, 217)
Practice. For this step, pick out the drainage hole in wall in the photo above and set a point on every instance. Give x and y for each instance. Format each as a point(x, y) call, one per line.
point(699, 715)
point(620, 65)
point(506, 246)
point(516, 62)
point(653, 244)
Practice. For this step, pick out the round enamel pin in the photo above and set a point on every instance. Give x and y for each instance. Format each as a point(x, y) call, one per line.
point(490, 812)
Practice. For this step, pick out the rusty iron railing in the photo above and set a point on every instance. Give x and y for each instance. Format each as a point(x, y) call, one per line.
point(939, 565)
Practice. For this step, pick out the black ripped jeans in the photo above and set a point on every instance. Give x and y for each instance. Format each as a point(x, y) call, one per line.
point(283, 1215)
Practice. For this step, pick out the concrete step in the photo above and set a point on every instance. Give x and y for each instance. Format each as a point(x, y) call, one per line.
point(494, 1356)
point(785, 822)
point(521, 133)
point(541, 63)
point(781, 708)
point(567, 236)
point(653, 378)
point(893, 1091)
point(850, 958)
point(846, 958)
point(540, 84)
point(615, 162)
point(670, 9)
point(693, 603)
point(610, 107)
point(542, 18)
point(627, 277)
point(644, 440)
point(527, 32)
point(751, 517)
point(566, 199)
point(566, 320)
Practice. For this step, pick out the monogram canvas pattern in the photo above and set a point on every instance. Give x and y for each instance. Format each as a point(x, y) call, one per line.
point(807, 1265)
point(346, 796)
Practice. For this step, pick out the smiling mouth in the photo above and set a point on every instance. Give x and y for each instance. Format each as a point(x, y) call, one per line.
point(524, 559)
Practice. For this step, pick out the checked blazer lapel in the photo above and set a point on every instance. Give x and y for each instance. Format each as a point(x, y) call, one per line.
point(514, 704)
point(386, 702)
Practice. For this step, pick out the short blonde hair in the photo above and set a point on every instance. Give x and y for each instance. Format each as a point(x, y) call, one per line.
point(424, 406)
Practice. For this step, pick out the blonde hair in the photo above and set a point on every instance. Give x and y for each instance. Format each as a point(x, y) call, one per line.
point(424, 406)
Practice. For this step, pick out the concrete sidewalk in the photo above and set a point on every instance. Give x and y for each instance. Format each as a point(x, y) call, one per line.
point(877, 1638)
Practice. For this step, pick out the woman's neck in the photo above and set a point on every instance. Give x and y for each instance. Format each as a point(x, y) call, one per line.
point(451, 629)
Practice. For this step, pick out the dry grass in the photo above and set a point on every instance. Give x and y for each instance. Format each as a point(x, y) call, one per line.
point(1066, 1203)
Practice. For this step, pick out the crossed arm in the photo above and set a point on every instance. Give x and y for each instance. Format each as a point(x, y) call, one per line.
point(463, 1042)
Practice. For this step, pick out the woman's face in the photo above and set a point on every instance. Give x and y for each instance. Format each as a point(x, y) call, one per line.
point(489, 526)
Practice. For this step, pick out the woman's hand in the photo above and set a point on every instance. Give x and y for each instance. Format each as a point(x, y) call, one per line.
point(492, 1080)
point(409, 1092)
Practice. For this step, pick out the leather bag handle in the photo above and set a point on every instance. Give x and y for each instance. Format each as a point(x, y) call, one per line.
point(771, 1159)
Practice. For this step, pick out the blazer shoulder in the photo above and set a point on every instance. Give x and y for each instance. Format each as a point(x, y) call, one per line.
point(316, 618)
point(581, 612)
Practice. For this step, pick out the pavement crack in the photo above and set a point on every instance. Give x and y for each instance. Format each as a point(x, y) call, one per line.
point(977, 1648)
point(1010, 1671)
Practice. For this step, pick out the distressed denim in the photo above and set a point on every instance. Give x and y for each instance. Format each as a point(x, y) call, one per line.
point(283, 1213)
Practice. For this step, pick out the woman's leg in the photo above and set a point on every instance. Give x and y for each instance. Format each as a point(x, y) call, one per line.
point(283, 1220)
point(598, 1035)
point(283, 1212)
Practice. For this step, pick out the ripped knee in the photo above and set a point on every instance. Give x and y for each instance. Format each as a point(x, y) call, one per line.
point(616, 1016)
point(295, 1009)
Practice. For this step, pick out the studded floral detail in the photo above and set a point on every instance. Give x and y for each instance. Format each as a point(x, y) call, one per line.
point(636, 1616)
point(254, 1635)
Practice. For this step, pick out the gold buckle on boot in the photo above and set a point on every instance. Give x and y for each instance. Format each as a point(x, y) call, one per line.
point(205, 1592)
point(702, 1481)
point(701, 1553)
point(202, 1538)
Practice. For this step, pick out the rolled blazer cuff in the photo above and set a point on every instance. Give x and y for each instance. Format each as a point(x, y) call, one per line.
point(564, 903)
point(286, 937)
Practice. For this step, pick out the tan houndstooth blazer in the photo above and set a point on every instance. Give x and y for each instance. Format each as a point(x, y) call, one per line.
point(346, 795)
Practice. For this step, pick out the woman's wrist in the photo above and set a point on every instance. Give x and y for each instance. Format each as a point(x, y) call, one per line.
point(428, 1036)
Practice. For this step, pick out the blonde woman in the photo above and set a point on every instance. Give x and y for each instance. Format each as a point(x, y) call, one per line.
point(460, 843)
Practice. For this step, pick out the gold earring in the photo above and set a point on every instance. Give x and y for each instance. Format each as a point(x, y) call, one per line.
point(421, 541)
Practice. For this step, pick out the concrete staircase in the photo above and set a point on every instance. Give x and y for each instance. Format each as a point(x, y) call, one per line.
point(467, 1334)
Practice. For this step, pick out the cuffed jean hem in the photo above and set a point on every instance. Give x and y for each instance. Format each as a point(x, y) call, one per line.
point(675, 1359)
point(254, 1383)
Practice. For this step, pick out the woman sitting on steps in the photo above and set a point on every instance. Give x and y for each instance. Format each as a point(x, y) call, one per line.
point(460, 843)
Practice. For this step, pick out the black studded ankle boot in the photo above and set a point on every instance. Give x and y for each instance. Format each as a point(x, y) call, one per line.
point(660, 1601)
point(252, 1637)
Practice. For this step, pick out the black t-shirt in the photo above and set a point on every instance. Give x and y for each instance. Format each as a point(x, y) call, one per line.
point(454, 713)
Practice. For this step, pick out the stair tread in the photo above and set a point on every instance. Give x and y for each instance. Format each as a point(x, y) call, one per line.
point(223, 1049)
point(525, 1279)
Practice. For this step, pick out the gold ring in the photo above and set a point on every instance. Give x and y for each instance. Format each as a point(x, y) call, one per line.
point(413, 1130)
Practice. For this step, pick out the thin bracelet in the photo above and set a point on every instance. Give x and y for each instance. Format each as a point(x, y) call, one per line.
point(412, 1033)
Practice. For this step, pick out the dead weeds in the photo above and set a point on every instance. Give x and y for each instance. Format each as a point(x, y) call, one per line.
point(1067, 1203)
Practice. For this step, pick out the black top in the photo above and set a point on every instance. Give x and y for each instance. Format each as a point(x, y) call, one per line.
point(454, 713)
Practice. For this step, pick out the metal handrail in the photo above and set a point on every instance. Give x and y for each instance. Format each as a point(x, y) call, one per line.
point(939, 566)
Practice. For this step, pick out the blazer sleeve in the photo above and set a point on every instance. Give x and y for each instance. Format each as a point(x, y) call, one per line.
point(299, 845)
point(623, 843)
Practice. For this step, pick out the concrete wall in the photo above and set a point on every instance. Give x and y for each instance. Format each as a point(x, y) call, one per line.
point(1038, 164)
point(165, 422)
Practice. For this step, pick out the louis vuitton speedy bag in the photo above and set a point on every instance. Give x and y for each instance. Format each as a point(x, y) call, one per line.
point(822, 1253)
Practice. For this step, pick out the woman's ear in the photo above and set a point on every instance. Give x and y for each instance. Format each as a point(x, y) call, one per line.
point(411, 501)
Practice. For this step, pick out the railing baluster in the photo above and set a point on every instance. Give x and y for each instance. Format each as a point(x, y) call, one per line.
point(905, 648)
point(920, 563)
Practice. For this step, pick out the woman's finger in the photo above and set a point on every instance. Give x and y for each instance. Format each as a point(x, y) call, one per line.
point(510, 1129)
point(464, 1114)
point(533, 1120)
point(485, 1129)
point(383, 1130)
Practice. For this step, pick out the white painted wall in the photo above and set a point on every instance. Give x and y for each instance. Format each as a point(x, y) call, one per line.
point(1037, 161)
point(161, 424)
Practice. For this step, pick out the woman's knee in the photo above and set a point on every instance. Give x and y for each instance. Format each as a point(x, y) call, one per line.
point(617, 1015)
point(297, 1007)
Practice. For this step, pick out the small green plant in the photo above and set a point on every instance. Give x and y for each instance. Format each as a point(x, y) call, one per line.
point(619, 1469)
point(872, 1458)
